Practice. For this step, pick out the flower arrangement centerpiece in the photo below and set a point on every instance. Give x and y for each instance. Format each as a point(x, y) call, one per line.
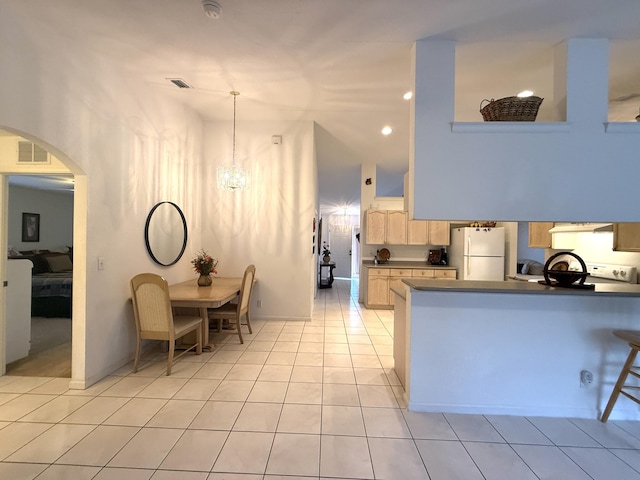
point(204, 264)
point(326, 253)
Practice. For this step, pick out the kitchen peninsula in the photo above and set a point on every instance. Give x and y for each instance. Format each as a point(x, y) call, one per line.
point(514, 348)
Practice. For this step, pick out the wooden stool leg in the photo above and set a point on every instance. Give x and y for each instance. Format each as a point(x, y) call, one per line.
point(619, 384)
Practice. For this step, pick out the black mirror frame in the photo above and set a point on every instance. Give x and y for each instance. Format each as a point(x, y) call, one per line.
point(146, 234)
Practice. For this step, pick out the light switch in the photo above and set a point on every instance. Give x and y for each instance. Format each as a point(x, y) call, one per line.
point(100, 263)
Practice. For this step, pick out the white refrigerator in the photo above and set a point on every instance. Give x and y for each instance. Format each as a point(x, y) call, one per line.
point(478, 252)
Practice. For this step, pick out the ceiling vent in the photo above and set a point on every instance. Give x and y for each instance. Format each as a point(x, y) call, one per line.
point(178, 82)
point(31, 153)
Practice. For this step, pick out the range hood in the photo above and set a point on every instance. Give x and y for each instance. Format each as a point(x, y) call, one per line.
point(581, 227)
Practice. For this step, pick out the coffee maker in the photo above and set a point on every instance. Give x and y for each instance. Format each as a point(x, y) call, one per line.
point(438, 257)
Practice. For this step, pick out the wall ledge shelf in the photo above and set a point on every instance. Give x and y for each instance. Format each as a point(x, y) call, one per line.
point(510, 127)
point(622, 127)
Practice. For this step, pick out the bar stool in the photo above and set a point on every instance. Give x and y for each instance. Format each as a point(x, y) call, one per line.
point(632, 337)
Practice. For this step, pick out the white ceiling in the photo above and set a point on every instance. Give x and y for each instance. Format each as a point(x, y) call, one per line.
point(342, 63)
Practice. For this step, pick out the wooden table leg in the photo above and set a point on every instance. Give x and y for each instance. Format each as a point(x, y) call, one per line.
point(205, 335)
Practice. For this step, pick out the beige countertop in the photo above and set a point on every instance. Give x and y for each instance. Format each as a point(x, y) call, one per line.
point(519, 287)
point(405, 264)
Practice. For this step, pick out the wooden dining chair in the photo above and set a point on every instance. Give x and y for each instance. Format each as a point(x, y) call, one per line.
point(155, 320)
point(234, 312)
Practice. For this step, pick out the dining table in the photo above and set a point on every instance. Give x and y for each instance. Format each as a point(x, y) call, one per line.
point(190, 294)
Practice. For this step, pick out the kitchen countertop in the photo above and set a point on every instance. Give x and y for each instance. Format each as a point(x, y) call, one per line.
point(405, 264)
point(519, 287)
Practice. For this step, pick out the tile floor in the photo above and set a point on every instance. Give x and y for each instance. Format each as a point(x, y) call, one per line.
point(299, 400)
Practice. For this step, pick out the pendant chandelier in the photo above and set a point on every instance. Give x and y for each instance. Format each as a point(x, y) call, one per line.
point(233, 177)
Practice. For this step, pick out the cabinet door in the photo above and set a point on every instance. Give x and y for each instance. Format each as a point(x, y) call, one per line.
point(439, 232)
point(539, 236)
point(376, 227)
point(396, 227)
point(417, 232)
point(378, 290)
point(626, 237)
point(394, 282)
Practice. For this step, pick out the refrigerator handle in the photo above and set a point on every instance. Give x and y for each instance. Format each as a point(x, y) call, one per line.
point(468, 255)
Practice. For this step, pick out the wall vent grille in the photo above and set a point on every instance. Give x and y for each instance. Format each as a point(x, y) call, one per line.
point(31, 153)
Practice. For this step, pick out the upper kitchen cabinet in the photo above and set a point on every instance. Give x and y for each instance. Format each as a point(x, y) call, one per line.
point(386, 227)
point(626, 237)
point(539, 236)
point(417, 232)
point(396, 227)
point(439, 232)
point(376, 227)
point(428, 232)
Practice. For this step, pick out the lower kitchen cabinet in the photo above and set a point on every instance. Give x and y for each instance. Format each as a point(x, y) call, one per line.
point(377, 293)
point(380, 281)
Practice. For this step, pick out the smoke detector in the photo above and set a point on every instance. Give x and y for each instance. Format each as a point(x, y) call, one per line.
point(212, 9)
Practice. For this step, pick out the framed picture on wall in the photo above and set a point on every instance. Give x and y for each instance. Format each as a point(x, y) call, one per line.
point(30, 227)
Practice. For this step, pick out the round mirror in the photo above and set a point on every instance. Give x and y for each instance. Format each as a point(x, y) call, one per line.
point(165, 233)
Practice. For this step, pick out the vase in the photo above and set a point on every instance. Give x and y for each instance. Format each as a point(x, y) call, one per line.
point(326, 258)
point(204, 280)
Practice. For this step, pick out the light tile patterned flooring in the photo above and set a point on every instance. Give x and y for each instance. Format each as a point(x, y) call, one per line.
point(298, 400)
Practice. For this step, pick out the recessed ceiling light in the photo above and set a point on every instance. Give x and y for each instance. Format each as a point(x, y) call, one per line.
point(386, 130)
point(525, 93)
point(408, 95)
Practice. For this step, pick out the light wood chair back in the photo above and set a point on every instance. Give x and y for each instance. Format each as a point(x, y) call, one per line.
point(155, 320)
point(234, 312)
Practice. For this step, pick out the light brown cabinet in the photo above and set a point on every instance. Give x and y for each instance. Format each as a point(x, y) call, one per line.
point(379, 282)
point(376, 227)
point(396, 227)
point(417, 232)
point(539, 236)
point(377, 294)
point(428, 232)
point(392, 227)
point(439, 232)
point(626, 237)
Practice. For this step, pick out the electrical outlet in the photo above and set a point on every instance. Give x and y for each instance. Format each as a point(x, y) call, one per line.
point(259, 303)
point(586, 377)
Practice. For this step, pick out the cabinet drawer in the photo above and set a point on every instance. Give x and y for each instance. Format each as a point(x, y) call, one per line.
point(446, 274)
point(400, 272)
point(423, 273)
point(378, 272)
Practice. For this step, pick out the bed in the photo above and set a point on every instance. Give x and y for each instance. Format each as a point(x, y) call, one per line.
point(51, 283)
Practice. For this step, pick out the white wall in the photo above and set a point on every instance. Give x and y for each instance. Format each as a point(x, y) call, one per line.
point(135, 149)
point(578, 170)
point(269, 225)
point(56, 217)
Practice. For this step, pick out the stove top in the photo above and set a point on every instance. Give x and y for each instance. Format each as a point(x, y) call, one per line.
point(598, 273)
point(605, 272)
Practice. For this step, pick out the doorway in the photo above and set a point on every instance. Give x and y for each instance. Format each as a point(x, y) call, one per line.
point(341, 249)
point(40, 344)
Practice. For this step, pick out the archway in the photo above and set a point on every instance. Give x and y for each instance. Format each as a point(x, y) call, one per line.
point(57, 163)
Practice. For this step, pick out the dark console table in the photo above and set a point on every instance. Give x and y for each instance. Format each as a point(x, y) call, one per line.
point(327, 280)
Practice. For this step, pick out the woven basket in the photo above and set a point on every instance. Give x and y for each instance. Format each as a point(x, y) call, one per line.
point(511, 109)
